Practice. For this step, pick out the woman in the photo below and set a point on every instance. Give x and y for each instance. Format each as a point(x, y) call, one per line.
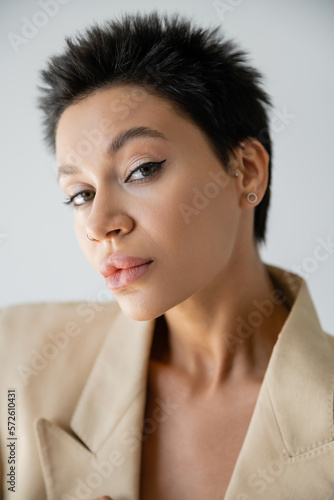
point(210, 377)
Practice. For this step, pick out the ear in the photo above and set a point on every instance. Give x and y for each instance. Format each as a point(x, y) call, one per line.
point(253, 160)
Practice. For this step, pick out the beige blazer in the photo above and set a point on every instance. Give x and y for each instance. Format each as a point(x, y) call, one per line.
point(80, 372)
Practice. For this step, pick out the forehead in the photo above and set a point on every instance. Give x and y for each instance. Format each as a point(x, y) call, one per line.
point(89, 129)
point(110, 110)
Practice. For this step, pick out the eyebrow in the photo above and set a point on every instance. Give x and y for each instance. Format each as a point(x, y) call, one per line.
point(116, 144)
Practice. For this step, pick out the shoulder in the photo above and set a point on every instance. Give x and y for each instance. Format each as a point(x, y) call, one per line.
point(28, 322)
point(46, 336)
point(329, 337)
point(48, 351)
point(83, 312)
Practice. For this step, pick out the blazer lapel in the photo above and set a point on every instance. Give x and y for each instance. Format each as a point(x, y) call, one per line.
point(103, 455)
point(293, 415)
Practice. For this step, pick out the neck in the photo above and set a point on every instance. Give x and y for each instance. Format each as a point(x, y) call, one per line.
point(227, 330)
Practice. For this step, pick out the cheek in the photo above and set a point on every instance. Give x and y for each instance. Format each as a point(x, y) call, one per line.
point(196, 223)
point(190, 255)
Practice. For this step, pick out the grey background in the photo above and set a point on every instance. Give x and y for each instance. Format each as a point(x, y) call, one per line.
point(291, 42)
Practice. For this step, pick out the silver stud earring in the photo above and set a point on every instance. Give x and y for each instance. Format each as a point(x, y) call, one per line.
point(236, 174)
point(254, 200)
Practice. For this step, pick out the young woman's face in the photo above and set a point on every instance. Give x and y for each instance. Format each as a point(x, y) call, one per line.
point(158, 193)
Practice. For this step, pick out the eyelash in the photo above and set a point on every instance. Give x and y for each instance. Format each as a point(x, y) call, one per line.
point(157, 167)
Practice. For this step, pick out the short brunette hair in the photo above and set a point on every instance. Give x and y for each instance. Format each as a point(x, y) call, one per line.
point(206, 77)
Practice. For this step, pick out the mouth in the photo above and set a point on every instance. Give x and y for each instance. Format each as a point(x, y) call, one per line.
point(123, 277)
point(121, 270)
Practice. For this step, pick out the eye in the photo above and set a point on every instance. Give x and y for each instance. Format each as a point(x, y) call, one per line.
point(81, 198)
point(144, 171)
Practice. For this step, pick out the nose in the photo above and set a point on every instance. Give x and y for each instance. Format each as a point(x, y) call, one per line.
point(106, 221)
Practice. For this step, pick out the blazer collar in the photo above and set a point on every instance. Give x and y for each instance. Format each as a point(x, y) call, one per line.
point(300, 373)
point(119, 377)
point(294, 410)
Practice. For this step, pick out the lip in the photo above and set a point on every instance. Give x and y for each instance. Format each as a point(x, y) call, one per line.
point(121, 270)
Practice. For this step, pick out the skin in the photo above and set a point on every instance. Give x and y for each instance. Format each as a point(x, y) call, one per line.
point(207, 270)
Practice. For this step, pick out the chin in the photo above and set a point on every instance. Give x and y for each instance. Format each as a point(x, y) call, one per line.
point(140, 310)
point(138, 314)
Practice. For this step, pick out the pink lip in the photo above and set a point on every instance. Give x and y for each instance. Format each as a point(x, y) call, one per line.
point(121, 270)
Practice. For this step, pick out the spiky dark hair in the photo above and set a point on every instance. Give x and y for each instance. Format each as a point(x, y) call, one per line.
point(206, 77)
